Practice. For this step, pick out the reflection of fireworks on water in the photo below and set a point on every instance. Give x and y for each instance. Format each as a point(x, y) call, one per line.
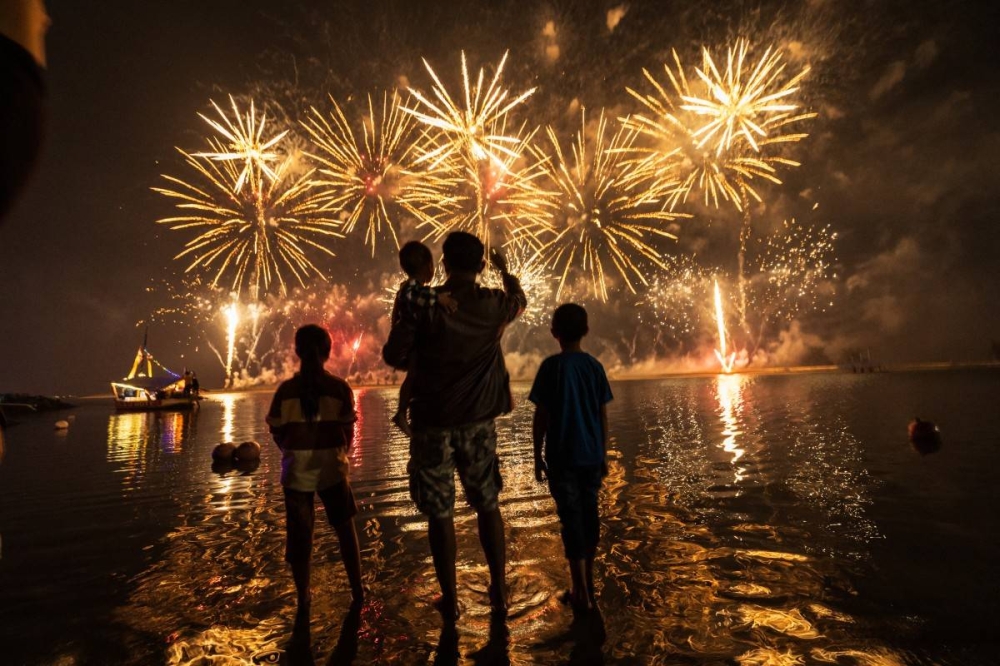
point(255, 222)
point(608, 215)
point(718, 133)
point(494, 177)
point(373, 177)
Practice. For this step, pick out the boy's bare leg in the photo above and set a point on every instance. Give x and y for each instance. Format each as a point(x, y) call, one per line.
point(590, 581)
point(494, 543)
point(300, 574)
point(350, 553)
point(579, 593)
point(441, 534)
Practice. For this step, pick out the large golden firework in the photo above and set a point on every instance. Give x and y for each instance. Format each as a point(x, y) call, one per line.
point(470, 126)
point(718, 133)
point(255, 222)
point(493, 175)
point(610, 216)
point(374, 176)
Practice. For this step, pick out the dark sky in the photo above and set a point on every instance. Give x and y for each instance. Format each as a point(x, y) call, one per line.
point(902, 160)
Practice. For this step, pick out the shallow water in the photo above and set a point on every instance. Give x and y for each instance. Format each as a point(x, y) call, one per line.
point(751, 520)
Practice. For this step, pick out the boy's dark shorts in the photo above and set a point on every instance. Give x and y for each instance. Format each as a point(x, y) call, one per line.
point(435, 454)
point(575, 491)
point(300, 514)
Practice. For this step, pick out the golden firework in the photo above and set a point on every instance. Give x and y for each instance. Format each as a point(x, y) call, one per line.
point(255, 222)
point(717, 133)
point(374, 176)
point(610, 215)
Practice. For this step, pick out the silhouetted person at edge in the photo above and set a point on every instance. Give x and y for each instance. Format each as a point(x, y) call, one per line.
point(459, 385)
point(22, 93)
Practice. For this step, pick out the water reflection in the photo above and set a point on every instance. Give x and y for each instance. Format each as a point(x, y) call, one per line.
point(729, 388)
point(715, 547)
point(135, 440)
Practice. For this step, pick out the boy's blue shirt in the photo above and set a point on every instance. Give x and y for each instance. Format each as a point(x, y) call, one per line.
point(573, 387)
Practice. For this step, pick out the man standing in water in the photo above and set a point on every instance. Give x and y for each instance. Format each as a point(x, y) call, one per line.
point(460, 384)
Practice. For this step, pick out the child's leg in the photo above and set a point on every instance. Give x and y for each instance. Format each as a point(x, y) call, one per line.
point(590, 488)
point(299, 517)
point(340, 511)
point(350, 552)
point(566, 492)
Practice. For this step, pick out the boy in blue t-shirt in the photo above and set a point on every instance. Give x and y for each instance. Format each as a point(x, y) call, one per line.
point(571, 393)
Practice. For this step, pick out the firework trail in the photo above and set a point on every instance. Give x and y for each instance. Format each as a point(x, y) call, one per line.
point(722, 132)
point(725, 359)
point(373, 177)
point(610, 216)
point(255, 222)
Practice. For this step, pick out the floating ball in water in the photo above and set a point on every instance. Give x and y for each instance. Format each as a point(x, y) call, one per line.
point(224, 451)
point(248, 451)
point(62, 425)
point(924, 436)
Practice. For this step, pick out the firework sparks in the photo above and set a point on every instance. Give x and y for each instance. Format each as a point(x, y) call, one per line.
point(246, 144)
point(535, 279)
point(609, 217)
point(255, 227)
point(494, 177)
point(374, 177)
point(470, 128)
point(726, 360)
point(718, 132)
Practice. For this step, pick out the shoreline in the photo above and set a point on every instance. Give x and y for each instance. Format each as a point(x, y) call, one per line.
point(693, 374)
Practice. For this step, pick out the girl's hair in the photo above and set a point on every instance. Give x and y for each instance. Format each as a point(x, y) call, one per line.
point(312, 346)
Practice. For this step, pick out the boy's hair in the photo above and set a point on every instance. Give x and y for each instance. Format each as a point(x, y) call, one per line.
point(569, 322)
point(463, 252)
point(413, 256)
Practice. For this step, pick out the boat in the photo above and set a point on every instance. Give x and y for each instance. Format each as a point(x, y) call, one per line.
point(141, 390)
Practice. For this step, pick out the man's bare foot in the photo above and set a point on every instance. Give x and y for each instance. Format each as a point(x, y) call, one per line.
point(400, 420)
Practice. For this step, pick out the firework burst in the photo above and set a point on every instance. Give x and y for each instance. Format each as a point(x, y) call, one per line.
point(373, 177)
point(719, 133)
point(610, 217)
point(493, 172)
point(255, 222)
point(470, 125)
point(244, 143)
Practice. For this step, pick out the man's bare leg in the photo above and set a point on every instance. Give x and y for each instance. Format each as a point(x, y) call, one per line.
point(494, 543)
point(441, 534)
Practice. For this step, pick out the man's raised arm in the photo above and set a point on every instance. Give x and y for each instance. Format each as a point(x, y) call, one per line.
point(514, 296)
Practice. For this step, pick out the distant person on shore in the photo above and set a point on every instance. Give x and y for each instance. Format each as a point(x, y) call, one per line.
point(414, 294)
point(460, 385)
point(312, 419)
point(23, 24)
point(571, 394)
point(195, 384)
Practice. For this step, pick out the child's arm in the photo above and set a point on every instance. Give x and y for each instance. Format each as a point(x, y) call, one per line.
point(538, 427)
point(274, 421)
point(423, 296)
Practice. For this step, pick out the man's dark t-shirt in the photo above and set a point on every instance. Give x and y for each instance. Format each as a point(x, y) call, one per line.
point(459, 376)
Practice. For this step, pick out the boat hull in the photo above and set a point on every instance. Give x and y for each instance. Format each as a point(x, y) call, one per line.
point(174, 404)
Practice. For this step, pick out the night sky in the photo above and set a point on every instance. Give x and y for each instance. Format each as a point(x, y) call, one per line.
point(901, 161)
